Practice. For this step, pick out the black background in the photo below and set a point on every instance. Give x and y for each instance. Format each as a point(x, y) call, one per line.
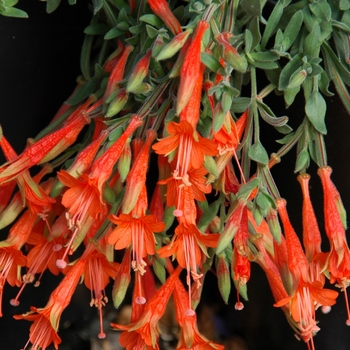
point(39, 63)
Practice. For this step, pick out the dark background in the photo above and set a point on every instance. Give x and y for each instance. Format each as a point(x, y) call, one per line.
point(39, 63)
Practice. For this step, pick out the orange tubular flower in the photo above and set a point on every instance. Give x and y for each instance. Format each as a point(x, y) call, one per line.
point(98, 271)
point(46, 320)
point(199, 187)
point(31, 192)
point(297, 263)
point(190, 146)
point(146, 327)
point(162, 10)
point(190, 338)
point(137, 176)
point(187, 246)
point(138, 231)
point(118, 71)
point(338, 260)
point(191, 111)
point(45, 149)
point(84, 196)
point(191, 68)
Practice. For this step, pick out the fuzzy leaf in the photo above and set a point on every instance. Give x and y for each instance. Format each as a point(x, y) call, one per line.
point(315, 109)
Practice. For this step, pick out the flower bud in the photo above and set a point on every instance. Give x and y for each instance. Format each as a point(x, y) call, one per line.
point(274, 225)
point(157, 46)
point(122, 280)
point(231, 227)
point(139, 72)
point(223, 273)
point(162, 10)
point(174, 46)
point(117, 105)
point(297, 79)
point(231, 55)
point(125, 161)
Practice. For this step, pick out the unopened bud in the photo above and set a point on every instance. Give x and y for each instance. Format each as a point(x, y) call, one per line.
point(125, 161)
point(117, 105)
point(157, 46)
point(274, 225)
point(174, 46)
point(122, 280)
point(139, 73)
point(223, 273)
point(231, 55)
point(231, 227)
point(297, 79)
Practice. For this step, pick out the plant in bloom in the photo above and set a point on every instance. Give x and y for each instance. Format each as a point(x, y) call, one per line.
point(159, 162)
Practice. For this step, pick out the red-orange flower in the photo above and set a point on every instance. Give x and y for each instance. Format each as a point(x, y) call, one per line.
point(188, 245)
point(146, 327)
point(195, 178)
point(98, 270)
point(136, 230)
point(190, 338)
point(190, 146)
point(46, 320)
point(45, 149)
point(162, 10)
point(190, 70)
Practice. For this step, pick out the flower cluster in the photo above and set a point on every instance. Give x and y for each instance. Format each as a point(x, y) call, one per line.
point(171, 165)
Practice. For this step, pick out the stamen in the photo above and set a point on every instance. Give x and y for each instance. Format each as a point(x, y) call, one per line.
point(61, 263)
point(239, 305)
point(347, 322)
point(102, 334)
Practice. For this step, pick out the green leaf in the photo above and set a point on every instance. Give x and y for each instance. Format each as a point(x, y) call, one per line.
point(321, 9)
point(9, 3)
point(252, 7)
point(209, 214)
point(153, 20)
point(258, 153)
point(248, 38)
point(293, 29)
point(312, 41)
point(248, 188)
point(315, 109)
point(262, 201)
point(96, 29)
point(51, 5)
point(344, 5)
point(211, 62)
point(83, 92)
point(13, 12)
point(288, 70)
point(269, 117)
point(97, 5)
point(151, 31)
point(254, 27)
point(272, 23)
point(290, 94)
point(266, 65)
point(240, 104)
point(113, 33)
point(285, 129)
point(303, 161)
point(265, 56)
